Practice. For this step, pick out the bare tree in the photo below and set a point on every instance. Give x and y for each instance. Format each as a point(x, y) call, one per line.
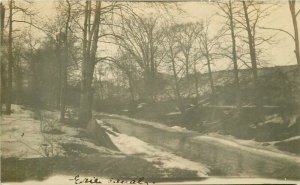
point(126, 64)
point(187, 40)
point(188, 34)
point(90, 44)
point(228, 9)
point(10, 61)
point(252, 14)
point(17, 69)
point(294, 14)
point(251, 39)
point(94, 18)
point(141, 38)
point(62, 38)
point(2, 16)
point(208, 45)
point(173, 49)
point(13, 9)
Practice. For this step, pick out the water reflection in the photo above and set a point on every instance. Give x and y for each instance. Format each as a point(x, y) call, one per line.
point(222, 159)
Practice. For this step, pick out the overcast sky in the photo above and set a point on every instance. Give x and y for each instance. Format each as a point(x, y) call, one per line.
point(280, 53)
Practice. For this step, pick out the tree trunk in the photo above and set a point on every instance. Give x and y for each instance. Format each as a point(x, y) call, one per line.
point(196, 83)
point(101, 86)
point(64, 74)
point(10, 63)
point(85, 112)
point(130, 83)
point(296, 33)
point(177, 91)
point(132, 105)
point(63, 88)
point(18, 80)
point(251, 44)
point(292, 4)
point(90, 41)
point(2, 14)
point(252, 55)
point(234, 58)
point(211, 80)
point(149, 85)
point(34, 84)
point(187, 66)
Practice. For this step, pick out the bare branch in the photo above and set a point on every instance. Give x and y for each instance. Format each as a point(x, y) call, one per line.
point(298, 13)
point(37, 27)
point(278, 29)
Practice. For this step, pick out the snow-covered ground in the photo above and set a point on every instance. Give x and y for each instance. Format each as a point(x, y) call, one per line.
point(21, 136)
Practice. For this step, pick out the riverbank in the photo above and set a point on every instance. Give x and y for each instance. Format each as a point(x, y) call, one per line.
point(38, 147)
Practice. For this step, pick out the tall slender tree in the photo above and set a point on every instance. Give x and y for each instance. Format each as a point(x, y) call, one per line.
point(251, 43)
point(228, 9)
point(294, 14)
point(250, 17)
point(187, 40)
point(208, 46)
point(10, 61)
point(64, 62)
point(2, 17)
point(90, 44)
point(173, 49)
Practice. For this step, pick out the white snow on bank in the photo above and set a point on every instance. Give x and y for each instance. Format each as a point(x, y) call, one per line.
point(21, 136)
point(266, 146)
point(233, 144)
point(292, 138)
point(162, 159)
point(249, 143)
point(141, 105)
point(178, 128)
point(173, 113)
point(150, 123)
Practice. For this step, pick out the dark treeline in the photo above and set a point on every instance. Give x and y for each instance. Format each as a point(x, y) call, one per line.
point(110, 56)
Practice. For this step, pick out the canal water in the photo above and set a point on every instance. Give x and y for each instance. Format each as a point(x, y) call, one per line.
point(223, 158)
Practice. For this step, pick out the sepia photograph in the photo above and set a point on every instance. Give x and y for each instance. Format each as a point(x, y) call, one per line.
point(148, 92)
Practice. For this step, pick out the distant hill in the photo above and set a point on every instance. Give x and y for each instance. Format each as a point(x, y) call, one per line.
point(279, 78)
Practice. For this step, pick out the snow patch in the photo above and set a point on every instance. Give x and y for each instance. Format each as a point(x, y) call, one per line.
point(272, 119)
point(256, 150)
point(173, 113)
point(141, 105)
point(291, 139)
point(149, 123)
point(178, 128)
